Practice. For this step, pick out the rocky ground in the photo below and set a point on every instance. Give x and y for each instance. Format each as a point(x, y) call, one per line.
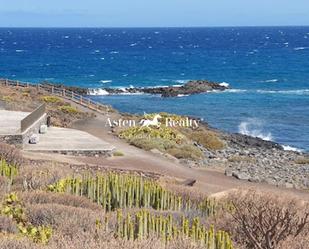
point(256, 160)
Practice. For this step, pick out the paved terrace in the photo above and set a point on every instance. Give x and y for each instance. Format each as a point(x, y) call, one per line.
point(69, 141)
point(10, 122)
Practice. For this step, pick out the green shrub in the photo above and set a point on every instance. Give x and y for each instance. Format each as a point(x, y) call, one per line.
point(154, 143)
point(208, 139)
point(151, 133)
point(7, 99)
point(68, 109)
point(186, 152)
point(51, 99)
point(118, 153)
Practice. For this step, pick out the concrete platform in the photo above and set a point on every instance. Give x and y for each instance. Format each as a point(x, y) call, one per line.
point(70, 141)
point(10, 122)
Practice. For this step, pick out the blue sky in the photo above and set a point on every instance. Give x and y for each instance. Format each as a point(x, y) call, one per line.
point(152, 13)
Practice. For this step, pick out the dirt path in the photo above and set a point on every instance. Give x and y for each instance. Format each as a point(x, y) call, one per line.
point(208, 180)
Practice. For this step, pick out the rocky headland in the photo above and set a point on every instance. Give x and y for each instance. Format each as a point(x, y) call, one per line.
point(191, 87)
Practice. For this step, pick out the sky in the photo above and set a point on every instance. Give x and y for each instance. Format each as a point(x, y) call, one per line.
point(152, 13)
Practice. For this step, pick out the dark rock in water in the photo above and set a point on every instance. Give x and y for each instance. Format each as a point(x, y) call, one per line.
point(191, 87)
point(245, 141)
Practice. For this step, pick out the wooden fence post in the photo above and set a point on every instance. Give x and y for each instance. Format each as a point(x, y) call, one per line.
point(52, 90)
point(6, 82)
point(81, 100)
point(38, 87)
point(72, 96)
point(63, 92)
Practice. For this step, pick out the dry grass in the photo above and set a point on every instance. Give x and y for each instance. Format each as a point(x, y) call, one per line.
point(42, 197)
point(38, 175)
point(260, 220)
point(7, 225)
point(238, 159)
point(10, 154)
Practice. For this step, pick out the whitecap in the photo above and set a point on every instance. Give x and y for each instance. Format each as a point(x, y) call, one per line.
point(270, 81)
point(290, 148)
point(106, 81)
point(114, 52)
point(254, 127)
point(133, 44)
point(234, 91)
point(182, 95)
point(19, 50)
point(296, 92)
point(300, 48)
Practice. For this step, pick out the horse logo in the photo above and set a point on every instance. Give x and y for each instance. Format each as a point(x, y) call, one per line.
point(154, 122)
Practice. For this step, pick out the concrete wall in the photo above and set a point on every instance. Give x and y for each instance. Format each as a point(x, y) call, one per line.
point(20, 139)
point(34, 129)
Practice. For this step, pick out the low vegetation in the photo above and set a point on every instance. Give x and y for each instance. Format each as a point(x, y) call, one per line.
point(179, 141)
point(50, 205)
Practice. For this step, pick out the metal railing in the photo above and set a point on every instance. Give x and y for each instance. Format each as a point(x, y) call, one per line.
point(34, 116)
point(62, 92)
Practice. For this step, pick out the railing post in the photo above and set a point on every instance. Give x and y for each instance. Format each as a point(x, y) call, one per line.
point(72, 96)
point(81, 100)
point(52, 90)
point(38, 87)
point(6, 82)
point(63, 92)
point(27, 84)
point(17, 83)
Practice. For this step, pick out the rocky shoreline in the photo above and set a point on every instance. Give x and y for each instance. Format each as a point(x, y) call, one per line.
point(256, 160)
point(191, 87)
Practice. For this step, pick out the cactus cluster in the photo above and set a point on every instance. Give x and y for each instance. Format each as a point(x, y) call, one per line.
point(113, 191)
point(143, 223)
point(7, 170)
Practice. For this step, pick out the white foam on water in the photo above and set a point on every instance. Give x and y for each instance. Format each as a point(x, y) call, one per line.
point(19, 50)
point(295, 92)
point(234, 91)
point(225, 84)
point(301, 48)
point(290, 148)
point(105, 81)
point(97, 91)
point(271, 81)
point(254, 127)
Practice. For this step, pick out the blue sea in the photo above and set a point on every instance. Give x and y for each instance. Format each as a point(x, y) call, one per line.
point(267, 69)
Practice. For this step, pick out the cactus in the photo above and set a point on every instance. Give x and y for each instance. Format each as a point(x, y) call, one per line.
point(114, 191)
point(166, 228)
point(7, 170)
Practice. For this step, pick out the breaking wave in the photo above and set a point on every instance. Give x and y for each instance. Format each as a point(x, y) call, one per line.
point(97, 91)
point(254, 127)
point(290, 148)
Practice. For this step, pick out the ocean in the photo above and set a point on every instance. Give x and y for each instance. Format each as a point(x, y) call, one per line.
point(267, 69)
